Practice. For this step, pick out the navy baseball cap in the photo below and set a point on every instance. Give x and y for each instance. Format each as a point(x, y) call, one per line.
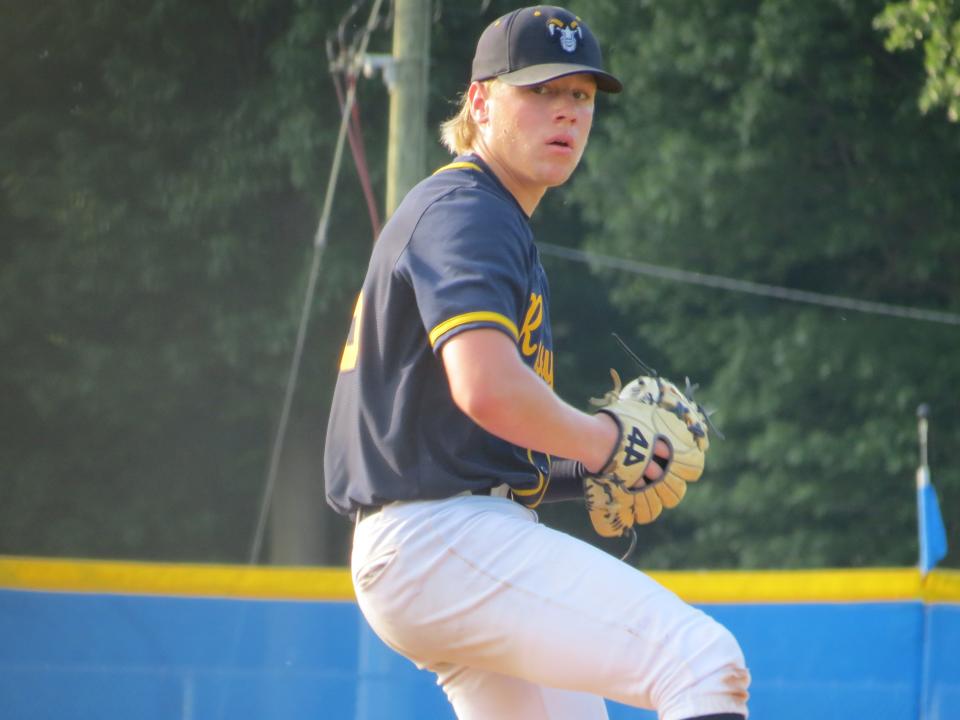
point(536, 44)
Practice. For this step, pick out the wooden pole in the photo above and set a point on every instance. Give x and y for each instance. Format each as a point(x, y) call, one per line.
point(406, 153)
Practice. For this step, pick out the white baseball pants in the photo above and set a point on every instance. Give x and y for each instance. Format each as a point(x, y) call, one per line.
point(521, 621)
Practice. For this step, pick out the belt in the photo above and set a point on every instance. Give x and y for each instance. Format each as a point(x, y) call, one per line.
point(365, 511)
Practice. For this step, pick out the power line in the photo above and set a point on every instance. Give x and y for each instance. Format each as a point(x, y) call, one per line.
point(319, 245)
point(745, 286)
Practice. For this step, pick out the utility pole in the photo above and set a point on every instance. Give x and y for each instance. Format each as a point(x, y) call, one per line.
point(406, 154)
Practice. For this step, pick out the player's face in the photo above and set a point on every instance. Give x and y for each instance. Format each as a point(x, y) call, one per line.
point(535, 136)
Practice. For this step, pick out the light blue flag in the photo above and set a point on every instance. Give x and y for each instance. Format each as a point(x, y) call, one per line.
point(933, 536)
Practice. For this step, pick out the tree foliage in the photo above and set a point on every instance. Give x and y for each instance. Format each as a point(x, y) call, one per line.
point(164, 167)
point(935, 24)
point(774, 142)
point(163, 163)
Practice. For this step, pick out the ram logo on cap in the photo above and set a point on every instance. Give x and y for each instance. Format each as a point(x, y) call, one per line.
point(568, 35)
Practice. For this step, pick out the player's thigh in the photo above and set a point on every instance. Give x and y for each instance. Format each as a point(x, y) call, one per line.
point(484, 586)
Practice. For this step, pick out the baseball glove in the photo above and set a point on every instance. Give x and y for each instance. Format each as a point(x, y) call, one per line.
point(646, 410)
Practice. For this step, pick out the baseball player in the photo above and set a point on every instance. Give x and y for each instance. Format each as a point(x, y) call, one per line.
point(445, 431)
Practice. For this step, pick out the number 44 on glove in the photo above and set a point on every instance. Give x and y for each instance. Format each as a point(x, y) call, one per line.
point(646, 410)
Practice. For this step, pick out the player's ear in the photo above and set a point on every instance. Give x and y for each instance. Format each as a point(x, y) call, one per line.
point(479, 95)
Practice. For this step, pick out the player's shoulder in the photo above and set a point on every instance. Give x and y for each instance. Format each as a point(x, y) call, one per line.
point(467, 171)
point(461, 209)
point(466, 191)
point(468, 180)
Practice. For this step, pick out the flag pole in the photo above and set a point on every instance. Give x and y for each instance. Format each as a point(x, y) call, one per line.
point(923, 415)
point(932, 535)
point(932, 548)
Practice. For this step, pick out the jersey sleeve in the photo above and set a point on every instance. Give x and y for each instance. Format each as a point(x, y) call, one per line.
point(466, 262)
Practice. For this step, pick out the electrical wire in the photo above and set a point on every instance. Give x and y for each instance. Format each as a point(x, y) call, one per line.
point(355, 136)
point(319, 245)
point(339, 54)
point(745, 286)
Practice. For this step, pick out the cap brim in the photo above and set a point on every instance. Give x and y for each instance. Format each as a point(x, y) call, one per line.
point(536, 74)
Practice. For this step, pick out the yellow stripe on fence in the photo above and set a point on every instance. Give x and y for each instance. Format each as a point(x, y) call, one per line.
point(771, 586)
point(333, 584)
point(942, 586)
point(96, 576)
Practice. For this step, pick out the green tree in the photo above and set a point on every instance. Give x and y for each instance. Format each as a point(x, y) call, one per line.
point(163, 166)
point(774, 142)
point(935, 24)
point(163, 170)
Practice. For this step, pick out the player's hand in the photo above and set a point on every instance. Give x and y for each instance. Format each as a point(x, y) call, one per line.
point(662, 454)
point(663, 440)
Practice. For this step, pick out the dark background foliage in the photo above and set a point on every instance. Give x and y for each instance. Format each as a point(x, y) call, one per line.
point(164, 164)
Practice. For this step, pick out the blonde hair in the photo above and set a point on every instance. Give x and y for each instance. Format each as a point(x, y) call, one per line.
point(459, 132)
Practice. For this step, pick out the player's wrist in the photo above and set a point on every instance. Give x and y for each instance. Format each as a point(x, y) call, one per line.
point(606, 441)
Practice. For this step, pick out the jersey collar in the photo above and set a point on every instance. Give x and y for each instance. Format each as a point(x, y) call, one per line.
point(474, 162)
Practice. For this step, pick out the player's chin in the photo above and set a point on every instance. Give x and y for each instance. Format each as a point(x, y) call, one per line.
point(561, 167)
point(558, 174)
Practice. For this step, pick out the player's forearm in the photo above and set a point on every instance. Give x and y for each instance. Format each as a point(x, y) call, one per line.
point(528, 413)
point(492, 386)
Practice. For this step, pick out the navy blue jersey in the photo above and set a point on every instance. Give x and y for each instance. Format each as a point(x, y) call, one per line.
point(457, 254)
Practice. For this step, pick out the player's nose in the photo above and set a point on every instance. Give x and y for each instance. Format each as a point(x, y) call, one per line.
point(564, 107)
point(565, 113)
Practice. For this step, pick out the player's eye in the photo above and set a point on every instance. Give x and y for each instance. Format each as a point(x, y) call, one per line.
point(539, 89)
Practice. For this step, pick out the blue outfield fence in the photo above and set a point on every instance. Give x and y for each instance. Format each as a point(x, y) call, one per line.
point(84, 639)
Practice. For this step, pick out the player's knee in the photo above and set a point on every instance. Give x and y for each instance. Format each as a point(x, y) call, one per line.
point(715, 676)
point(726, 647)
point(726, 672)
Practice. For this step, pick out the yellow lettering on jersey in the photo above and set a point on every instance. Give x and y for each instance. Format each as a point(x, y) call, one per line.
point(532, 321)
point(543, 363)
point(348, 361)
